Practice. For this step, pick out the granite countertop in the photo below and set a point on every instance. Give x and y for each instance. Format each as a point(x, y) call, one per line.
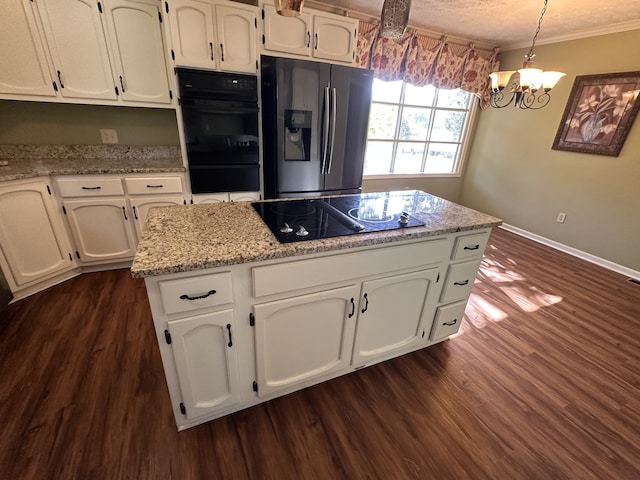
point(194, 237)
point(28, 161)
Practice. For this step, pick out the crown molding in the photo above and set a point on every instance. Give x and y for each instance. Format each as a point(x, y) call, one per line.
point(590, 32)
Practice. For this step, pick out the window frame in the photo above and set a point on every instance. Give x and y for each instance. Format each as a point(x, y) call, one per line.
point(465, 138)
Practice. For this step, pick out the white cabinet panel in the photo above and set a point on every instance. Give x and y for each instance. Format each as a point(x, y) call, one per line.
point(459, 281)
point(236, 32)
point(24, 65)
point(138, 51)
point(140, 208)
point(195, 293)
point(334, 38)
point(78, 47)
point(153, 185)
point(303, 338)
point(89, 186)
point(191, 27)
point(205, 360)
point(394, 313)
point(448, 319)
point(287, 34)
point(32, 235)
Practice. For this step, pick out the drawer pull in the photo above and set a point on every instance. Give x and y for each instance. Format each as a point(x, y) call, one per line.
point(92, 188)
point(366, 303)
point(353, 308)
point(474, 247)
point(187, 297)
point(155, 186)
point(230, 344)
point(451, 324)
point(466, 282)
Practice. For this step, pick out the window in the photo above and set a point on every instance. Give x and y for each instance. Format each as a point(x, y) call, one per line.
point(416, 130)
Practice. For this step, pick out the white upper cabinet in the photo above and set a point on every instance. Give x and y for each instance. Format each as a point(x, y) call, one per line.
point(315, 34)
point(213, 35)
point(78, 48)
point(24, 65)
point(138, 51)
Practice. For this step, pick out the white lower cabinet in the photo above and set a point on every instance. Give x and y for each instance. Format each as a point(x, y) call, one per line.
point(101, 229)
point(206, 362)
point(140, 208)
point(33, 241)
point(448, 319)
point(302, 338)
point(394, 313)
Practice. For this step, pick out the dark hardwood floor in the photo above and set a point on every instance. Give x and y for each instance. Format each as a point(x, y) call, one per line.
point(543, 382)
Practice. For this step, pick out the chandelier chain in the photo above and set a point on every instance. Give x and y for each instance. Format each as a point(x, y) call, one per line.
point(530, 55)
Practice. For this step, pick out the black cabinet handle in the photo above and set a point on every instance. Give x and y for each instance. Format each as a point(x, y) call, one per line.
point(122, 83)
point(353, 308)
point(474, 247)
point(308, 38)
point(466, 282)
point(155, 186)
point(135, 212)
point(60, 79)
point(124, 212)
point(316, 46)
point(230, 344)
point(221, 52)
point(451, 324)
point(211, 48)
point(366, 303)
point(91, 188)
point(187, 297)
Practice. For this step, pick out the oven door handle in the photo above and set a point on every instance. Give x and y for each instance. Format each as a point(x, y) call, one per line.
point(326, 120)
point(334, 110)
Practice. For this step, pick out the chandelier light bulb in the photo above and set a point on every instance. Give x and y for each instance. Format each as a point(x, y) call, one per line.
point(549, 79)
point(499, 80)
point(530, 78)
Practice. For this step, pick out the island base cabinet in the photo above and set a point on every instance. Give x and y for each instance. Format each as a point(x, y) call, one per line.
point(206, 362)
point(304, 338)
point(394, 313)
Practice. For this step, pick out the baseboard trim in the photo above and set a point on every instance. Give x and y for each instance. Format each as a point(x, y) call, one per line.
point(573, 251)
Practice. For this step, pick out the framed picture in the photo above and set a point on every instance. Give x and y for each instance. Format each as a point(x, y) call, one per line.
point(599, 113)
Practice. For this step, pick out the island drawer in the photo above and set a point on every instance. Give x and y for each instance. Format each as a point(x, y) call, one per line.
point(89, 186)
point(459, 281)
point(290, 276)
point(195, 293)
point(447, 320)
point(469, 246)
point(150, 185)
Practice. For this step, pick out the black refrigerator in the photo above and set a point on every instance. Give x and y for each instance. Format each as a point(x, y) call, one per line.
point(314, 127)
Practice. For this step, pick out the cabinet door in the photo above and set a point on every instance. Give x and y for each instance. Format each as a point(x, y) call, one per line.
point(334, 38)
point(24, 66)
point(448, 319)
point(244, 196)
point(138, 51)
point(101, 228)
point(286, 34)
point(204, 352)
point(191, 27)
point(210, 198)
point(78, 48)
point(394, 313)
point(236, 30)
point(32, 235)
point(140, 208)
point(303, 338)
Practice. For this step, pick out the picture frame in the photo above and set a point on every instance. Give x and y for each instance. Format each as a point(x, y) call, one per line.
point(599, 113)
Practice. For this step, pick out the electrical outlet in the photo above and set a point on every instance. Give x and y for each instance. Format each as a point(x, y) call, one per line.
point(109, 136)
point(561, 217)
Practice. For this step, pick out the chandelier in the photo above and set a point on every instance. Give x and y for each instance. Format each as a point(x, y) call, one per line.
point(289, 8)
point(529, 87)
point(394, 18)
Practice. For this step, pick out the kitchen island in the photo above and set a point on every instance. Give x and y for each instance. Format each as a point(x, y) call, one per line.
point(241, 318)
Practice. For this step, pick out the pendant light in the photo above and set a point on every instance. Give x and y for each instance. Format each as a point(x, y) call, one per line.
point(289, 8)
point(394, 18)
point(529, 87)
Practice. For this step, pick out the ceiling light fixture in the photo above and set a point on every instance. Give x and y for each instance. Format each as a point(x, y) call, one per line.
point(394, 18)
point(529, 87)
point(289, 8)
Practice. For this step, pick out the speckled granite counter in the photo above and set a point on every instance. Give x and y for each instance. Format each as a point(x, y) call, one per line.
point(195, 237)
point(28, 161)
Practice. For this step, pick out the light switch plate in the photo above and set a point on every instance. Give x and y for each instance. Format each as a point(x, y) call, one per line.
point(109, 136)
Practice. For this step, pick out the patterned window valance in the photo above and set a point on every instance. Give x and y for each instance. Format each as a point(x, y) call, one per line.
point(422, 60)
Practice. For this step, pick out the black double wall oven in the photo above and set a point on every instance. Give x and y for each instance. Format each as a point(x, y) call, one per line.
point(220, 119)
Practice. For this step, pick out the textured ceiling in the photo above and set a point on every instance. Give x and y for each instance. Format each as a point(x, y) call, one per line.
point(512, 23)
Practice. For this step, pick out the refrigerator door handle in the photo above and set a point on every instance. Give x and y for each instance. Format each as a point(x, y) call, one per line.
point(334, 110)
point(325, 140)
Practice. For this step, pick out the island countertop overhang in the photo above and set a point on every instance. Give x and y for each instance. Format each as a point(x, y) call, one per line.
point(196, 237)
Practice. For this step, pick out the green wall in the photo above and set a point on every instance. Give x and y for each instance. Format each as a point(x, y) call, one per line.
point(512, 172)
point(35, 123)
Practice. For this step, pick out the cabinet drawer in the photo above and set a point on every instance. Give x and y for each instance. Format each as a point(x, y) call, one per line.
point(290, 276)
point(147, 185)
point(447, 320)
point(195, 293)
point(469, 246)
point(459, 281)
point(89, 186)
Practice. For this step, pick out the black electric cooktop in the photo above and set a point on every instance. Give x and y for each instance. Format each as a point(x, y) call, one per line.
point(326, 217)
